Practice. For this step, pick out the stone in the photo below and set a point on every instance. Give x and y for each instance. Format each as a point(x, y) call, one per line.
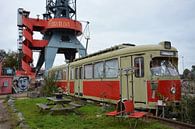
point(10, 102)
point(22, 125)
point(20, 116)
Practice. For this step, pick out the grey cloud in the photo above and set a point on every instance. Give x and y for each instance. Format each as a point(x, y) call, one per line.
point(116, 21)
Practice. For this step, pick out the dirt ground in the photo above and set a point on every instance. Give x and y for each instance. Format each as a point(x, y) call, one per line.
point(5, 122)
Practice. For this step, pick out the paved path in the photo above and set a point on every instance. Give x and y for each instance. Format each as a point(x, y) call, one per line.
point(4, 117)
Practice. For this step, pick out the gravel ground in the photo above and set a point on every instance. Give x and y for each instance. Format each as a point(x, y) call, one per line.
point(5, 122)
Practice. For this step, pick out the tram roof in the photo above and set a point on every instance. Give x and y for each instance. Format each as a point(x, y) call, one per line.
point(129, 47)
point(117, 47)
point(58, 67)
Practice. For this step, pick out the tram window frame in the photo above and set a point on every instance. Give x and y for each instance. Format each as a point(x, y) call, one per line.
point(64, 74)
point(138, 73)
point(71, 73)
point(95, 75)
point(86, 70)
point(81, 75)
point(67, 73)
point(76, 73)
point(115, 75)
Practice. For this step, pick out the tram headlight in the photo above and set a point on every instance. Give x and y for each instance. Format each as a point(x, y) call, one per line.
point(166, 44)
point(173, 90)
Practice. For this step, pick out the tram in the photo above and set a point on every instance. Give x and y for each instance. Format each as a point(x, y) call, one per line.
point(147, 74)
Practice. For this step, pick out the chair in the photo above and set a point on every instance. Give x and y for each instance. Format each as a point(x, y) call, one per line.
point(120, 109)
point(126, 110)
point(131, 113)
point(129, 106)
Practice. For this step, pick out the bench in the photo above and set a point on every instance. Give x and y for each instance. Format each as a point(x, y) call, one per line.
point(75, 105)
point(43, 106)
point(62, 109)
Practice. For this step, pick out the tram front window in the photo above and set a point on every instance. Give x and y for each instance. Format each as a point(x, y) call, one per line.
point(163, 67)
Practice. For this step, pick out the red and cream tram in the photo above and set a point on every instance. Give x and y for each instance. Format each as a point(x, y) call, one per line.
point(144, 73)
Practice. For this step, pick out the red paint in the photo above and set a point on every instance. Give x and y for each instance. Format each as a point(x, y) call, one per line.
point(28, 35)
point(63, 85)
point(41, 25)
point(102, 89)
point(26, 67)
point(27, 53)
point(5, 89)
point(64, 23)
point(71, 87)
point(25, 73)
point(39, 43)
point(164, 89)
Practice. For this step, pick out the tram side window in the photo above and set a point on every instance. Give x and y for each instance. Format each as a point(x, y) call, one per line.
point(72, 74)
point(51, 74)
point(111, 68)
point(99, 70)
point(56, 75)
point(64, 74)
point(88, 71)
point(139, 65)
point(60, 74)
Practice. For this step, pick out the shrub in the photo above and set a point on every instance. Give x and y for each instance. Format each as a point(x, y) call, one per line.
point(191, 108)
point(49, 86)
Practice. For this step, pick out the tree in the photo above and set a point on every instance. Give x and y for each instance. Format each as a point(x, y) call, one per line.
point(49, 86)
point(11, 60)
point(2, 54)
point(186, 74)
point(193, 72)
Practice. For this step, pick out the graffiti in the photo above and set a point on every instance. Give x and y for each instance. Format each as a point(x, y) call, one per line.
point(21, 84)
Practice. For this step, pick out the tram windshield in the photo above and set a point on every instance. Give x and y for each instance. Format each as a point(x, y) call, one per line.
point(163, 67)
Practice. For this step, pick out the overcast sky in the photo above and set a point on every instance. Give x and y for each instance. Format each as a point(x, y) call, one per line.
point(118, 21)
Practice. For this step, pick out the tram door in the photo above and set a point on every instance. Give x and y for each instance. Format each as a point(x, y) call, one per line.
point(133, 84)
point(139, 81)
point(78, 81)
point(126, 77)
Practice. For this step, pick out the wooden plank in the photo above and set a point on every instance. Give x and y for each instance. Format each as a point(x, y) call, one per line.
point(63, 109)
point(43, 106)
point(75, 105)
point(63, 100)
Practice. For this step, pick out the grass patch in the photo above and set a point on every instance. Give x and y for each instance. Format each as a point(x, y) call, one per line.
point(87, 117)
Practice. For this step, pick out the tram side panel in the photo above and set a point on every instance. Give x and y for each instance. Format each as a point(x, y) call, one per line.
point(102, 89)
